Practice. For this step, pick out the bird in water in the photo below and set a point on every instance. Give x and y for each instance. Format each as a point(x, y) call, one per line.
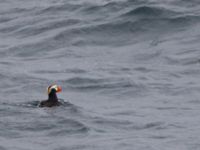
point(52, 97)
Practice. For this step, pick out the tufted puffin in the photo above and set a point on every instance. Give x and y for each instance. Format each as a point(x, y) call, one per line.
point(52, 97)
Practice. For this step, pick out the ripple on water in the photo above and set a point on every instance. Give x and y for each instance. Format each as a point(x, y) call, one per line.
point(102, 54)
point(81, 83)
point(30, 119)
point(3, 148)
point(106, 124)
point(69, 126)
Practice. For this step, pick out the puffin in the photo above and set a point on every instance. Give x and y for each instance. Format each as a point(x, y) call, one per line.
point(52, 97)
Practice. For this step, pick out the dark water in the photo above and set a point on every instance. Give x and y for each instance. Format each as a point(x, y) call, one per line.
point(129, 70)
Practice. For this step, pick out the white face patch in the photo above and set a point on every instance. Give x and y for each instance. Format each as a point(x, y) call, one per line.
point(52, 87)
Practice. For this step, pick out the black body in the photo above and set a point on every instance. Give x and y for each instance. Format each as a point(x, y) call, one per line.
point(52, 100)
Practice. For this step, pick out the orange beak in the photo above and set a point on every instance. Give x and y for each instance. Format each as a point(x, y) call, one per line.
point(59, 89)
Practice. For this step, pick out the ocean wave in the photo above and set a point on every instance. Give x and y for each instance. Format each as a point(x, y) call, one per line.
point(57, 8)
point(127, 125)
point(122, 65)
point(102, 9)
point(98, 84)
point(69, 126)
point(41, 28)
point(123, 31)
point(184, 20)
point(149, 11)
point(125, 27)
point(5, 19)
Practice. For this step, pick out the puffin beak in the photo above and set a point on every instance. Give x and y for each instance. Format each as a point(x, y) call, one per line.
point(59, 89)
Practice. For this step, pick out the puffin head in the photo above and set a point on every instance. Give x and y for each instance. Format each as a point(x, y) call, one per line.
point(54, 88)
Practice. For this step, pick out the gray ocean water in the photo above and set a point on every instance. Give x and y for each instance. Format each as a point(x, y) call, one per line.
point(129, 69)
